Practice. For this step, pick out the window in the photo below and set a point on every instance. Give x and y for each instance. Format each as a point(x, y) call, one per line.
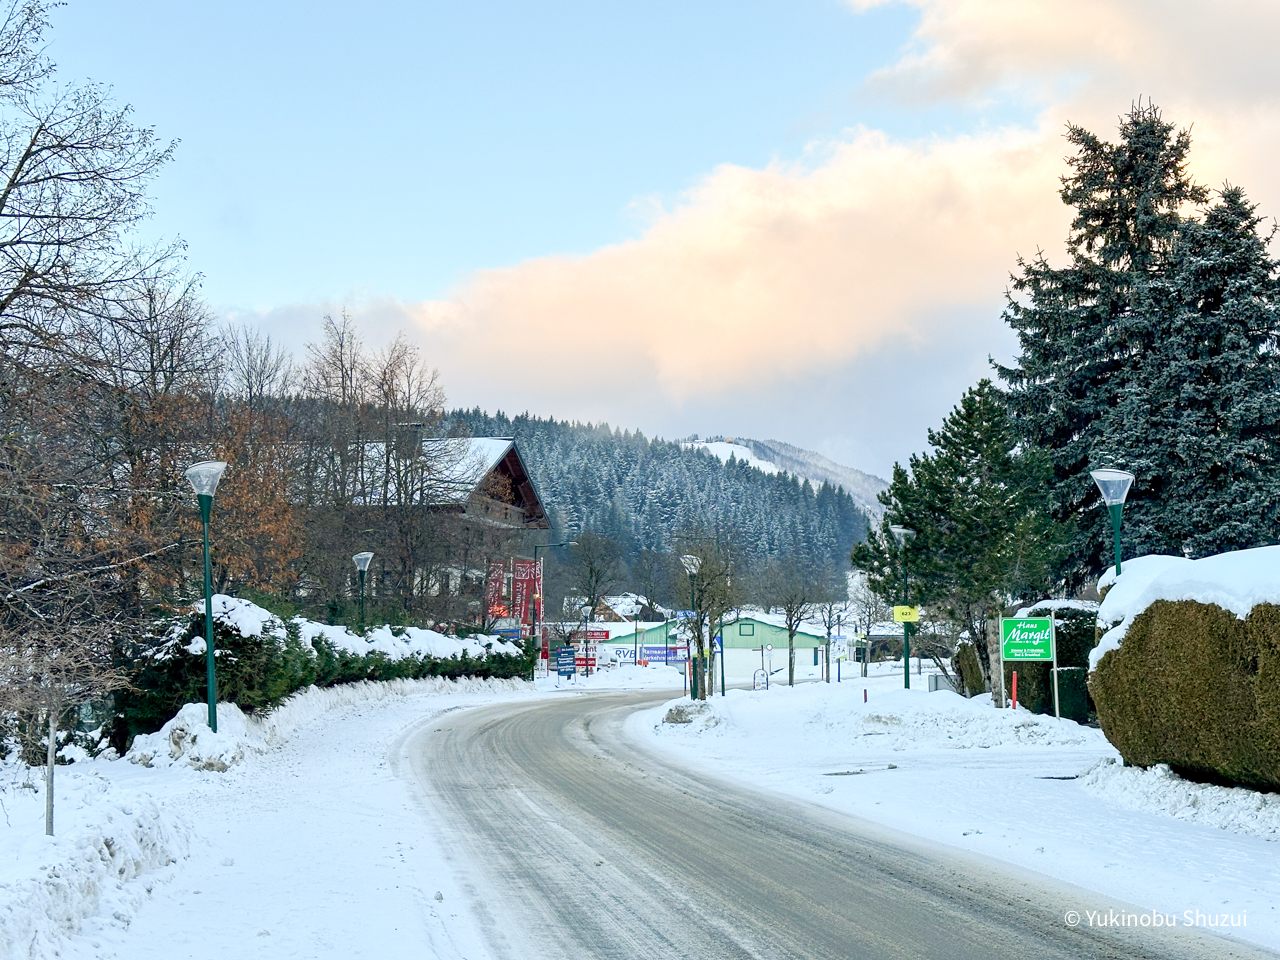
point(746, 629)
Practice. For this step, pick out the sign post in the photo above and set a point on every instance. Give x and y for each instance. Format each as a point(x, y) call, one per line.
point(566, 665)
point(1030, 639)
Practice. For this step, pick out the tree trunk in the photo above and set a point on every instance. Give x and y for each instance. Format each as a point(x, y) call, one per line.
point(791, 660)
point(997, 666)
point(50, 761)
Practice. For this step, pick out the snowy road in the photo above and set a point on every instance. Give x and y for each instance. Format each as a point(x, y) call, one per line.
point(574, 843)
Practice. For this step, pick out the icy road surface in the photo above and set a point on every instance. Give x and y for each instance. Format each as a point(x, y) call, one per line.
point(573, 842)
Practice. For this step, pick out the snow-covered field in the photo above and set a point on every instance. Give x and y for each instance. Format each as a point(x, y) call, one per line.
point(307, 843)
point(1043, 794)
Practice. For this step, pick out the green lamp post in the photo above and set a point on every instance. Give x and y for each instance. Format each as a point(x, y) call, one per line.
point(692, 564)
point(904, 536)
point(362, 560)
point(204, 477)
point(586, 611)
point(1114, 486)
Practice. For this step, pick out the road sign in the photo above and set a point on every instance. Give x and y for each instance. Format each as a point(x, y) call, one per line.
point(716, 643)
point(682, 615)
point(565, 666)
point(906, 614)
point(768, 648)
point(1026, 638)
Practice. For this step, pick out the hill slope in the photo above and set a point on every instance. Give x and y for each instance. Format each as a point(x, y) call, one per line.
point(775, 456)
point(644, 492)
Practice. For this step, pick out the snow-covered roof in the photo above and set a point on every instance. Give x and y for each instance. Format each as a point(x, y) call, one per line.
point(1236, 581)
point(810, 628)
point(475, 459)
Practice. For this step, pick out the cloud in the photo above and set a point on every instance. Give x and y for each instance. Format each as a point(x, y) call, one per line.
point(772, 273)
point(758, 280)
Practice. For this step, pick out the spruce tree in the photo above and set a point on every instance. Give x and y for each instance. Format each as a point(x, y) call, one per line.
point(1152, 350)
point(979, 506)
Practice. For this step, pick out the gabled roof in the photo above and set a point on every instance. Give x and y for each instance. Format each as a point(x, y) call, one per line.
point(474, 459)
point(809, 628)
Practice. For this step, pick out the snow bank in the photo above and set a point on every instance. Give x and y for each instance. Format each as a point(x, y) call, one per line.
point(1160, 790)
point(628, 676)
point(835, 713)
point(187, 740)
point(50, 885)
point(1236, 581)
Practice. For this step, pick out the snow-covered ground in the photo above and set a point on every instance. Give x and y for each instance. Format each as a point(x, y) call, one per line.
point(1044, 794)
point(304, 846)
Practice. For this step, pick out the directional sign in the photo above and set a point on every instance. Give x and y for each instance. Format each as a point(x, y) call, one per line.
point(906, 614)
point(1026, 638)
point(565, 666)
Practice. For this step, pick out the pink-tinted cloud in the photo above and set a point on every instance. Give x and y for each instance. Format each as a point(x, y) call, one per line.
point(758, 279)
point(776, 270)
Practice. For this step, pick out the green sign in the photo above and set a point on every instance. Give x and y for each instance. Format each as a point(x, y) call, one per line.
point(1026, 638)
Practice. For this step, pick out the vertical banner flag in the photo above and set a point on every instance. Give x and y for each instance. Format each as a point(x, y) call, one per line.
point(495, 590)
point(524, 588)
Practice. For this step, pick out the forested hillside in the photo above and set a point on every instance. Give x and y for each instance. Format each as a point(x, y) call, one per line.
point(645, 492)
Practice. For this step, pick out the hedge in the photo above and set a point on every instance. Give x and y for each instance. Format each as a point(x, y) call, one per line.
point(1197, 688)
point(258, 672)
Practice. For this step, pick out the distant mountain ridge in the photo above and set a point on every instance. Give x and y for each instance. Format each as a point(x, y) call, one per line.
point(773, 456)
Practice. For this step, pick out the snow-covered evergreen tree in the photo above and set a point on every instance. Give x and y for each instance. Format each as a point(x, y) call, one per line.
point(1152, 350)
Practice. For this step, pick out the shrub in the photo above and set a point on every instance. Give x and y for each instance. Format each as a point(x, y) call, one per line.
point(257, 672)
point(1194, 687)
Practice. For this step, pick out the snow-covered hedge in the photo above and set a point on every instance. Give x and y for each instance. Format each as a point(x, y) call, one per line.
point(262, 659)
point(1188, 671)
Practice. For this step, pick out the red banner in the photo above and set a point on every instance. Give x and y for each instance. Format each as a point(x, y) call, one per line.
point(524, 587)
point(495, 589)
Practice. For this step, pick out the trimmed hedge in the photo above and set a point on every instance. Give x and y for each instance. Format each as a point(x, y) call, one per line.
point(258, 672)
point(1194, 687)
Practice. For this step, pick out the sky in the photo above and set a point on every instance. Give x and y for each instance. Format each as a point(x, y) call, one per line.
point(790, 220)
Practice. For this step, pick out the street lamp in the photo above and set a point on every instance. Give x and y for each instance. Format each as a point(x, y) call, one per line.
point(537, 597)
point(904, 536)
point(1114, 486)
point(692, 564)
point(361, 560)
point(204, 477)
point(586, 637)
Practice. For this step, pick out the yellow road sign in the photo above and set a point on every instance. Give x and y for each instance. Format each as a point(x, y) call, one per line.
point(906, 614)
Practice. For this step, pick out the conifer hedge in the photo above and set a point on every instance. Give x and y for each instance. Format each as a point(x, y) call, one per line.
point(1196, 688)
point(258, 672)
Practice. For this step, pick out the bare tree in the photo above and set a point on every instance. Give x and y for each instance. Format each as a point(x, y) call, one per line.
point(832, 607)
point(714, 592)
point(73, 173)
point(791, 588)
point(48, 669)
point(867, 609)
point(595, 566)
